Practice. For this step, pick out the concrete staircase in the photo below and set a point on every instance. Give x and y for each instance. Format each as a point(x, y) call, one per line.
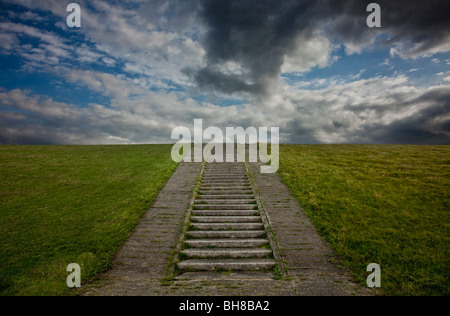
point(226, 230)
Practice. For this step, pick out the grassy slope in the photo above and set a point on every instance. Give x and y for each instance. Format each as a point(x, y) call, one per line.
point(383, 204)
point(61, 205)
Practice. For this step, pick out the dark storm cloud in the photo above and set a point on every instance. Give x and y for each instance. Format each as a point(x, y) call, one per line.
point(216, 80)
point(428, 126)
point(254, 34)
point(258, 34)
point(299, 134)
point(416, 26)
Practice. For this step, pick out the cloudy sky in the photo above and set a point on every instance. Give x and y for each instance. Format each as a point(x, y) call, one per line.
point(137, 69)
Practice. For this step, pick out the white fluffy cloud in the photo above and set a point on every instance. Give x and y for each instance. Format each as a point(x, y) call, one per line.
point(308, 53)
point(361, 111)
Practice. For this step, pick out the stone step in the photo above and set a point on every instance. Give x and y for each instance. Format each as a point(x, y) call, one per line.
point(224, 188)
point(225, 182)
point(214, 177)
point(208, 201)
point(226, 231)
point(226, 207)
point(234, 171)
point(205, 193)
point(234, 253)
point(225, 219)
point(225, 212)
point(227, 226)
point(225, 196)
point(227, 176)
point(240, 171)
point(227, 234)
point(226, 166)
point(226, 264)
point(227, 243)
point(219, 179)
point(237, 171)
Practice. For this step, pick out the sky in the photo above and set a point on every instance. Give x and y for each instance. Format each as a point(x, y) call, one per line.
point(137, 69)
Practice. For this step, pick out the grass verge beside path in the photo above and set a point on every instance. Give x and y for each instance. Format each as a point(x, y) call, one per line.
point(379, 204)
point(71, 204)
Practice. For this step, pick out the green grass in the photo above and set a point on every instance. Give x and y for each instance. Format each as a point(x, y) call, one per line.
point(71, 204)
point(77, 204)
point(379, 204)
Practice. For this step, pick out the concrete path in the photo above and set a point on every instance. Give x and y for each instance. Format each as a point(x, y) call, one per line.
point(195, 241)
